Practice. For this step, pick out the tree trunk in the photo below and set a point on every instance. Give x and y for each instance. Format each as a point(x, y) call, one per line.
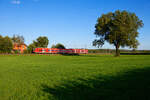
point(117, 51)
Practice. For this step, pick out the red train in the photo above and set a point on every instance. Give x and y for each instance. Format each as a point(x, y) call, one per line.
point(60, 51)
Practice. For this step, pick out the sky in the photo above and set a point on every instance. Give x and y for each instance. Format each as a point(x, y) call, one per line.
point(70, 22)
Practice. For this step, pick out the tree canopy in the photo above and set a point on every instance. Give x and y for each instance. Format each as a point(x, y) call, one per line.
point(41, 42)
point(119, 28)
point(18, 39)
point(59, 46)
point(6, 45)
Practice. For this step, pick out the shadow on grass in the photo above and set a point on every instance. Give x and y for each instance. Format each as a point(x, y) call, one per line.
point(131, 85)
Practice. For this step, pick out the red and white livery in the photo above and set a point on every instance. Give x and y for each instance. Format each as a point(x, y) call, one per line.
point(60, 51)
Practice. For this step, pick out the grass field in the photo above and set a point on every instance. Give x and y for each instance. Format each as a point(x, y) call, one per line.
point(86, 77)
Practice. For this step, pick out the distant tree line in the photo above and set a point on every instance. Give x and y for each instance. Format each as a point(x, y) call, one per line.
point(7, 43)
point(122, 51)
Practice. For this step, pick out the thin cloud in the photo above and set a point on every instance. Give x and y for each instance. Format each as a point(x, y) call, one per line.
point(17, 2)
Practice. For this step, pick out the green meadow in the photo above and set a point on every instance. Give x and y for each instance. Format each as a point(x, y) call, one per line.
point(84, 77)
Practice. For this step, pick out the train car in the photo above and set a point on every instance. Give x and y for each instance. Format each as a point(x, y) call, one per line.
point(60, 51)
point(80, 51)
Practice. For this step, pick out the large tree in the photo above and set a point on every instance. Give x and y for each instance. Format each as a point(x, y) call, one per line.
point(119, 28)
point(41, 42)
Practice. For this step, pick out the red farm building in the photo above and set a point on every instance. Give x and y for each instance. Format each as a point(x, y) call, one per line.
point(19, 47)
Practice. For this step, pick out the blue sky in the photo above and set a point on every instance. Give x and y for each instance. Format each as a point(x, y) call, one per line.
point(70, 22)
